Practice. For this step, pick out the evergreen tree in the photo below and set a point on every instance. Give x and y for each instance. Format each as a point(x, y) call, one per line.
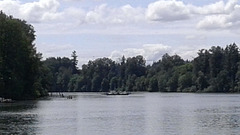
point(74, 62)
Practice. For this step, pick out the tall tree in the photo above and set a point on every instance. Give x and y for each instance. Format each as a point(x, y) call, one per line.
point(231, 64)
point(19, 62)
point(74, 62)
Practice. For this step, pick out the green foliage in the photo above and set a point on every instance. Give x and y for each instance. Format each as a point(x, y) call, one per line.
point(185, 81)
point(114, 83)
point(219, 71)
point(153, 85)
point(201, 82)
point(105, 85)
point(213, 70)
point(74, 62)
point(62, 74)
point(72, 85)
point(20, 66)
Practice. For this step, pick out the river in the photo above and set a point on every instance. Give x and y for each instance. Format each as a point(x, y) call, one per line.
point(135, 114)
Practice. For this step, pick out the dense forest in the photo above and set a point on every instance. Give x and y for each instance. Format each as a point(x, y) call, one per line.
point(213, 70)
point(24, 75)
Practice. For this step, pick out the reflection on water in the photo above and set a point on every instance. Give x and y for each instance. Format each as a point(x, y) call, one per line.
point(17, 118)
point(225, 120)
point(138, 113)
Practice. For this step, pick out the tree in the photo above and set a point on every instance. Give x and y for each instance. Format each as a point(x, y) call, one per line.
point(213, 70)
point(19, 61)
point(216, 60)
point(135, 65)
point(218, 84)
point(140, 84)
point(231, 63)
point(72, 85)
point(173, 83)
point(201, 82)
point(63, 77)
point(96, 83)
point(105, 85)
point(237, 79)
point(162, 83)
point(185, 81)
point(201, 63)
point(114, 83)
point(153, 85)
point(74, 62)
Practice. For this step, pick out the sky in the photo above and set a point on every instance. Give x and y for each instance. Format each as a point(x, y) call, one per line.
point(113, 28)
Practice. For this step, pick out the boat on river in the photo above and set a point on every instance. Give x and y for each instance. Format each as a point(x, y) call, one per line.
point(117, 93)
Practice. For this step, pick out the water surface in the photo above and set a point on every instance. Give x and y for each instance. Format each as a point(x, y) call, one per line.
point(135, 114)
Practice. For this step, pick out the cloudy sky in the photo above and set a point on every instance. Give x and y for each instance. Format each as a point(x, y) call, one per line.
point(112, 28)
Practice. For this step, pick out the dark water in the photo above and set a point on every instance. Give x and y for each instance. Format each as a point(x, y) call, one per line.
point(136, 114)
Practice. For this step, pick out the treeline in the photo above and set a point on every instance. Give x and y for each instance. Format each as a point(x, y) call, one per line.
point(21, 71)
point(24, 75)
point(99, 75)
point(213, 70)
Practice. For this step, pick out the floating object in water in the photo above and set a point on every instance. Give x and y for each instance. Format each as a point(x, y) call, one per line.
point(117, 93)
point(3, 100)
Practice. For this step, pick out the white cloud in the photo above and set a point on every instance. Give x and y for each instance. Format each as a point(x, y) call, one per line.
point(167, 10)
point(154, 52)
point(42, 10)
point(219, 15)
point(127, 13)
point(97, 15)
point(187, 52)
point(151, 52)
point(104, 14)
point(10, 6)
point(221, 21)
point(216, 8)
point(230, 5)
point(215, 22)
point(173, 10)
